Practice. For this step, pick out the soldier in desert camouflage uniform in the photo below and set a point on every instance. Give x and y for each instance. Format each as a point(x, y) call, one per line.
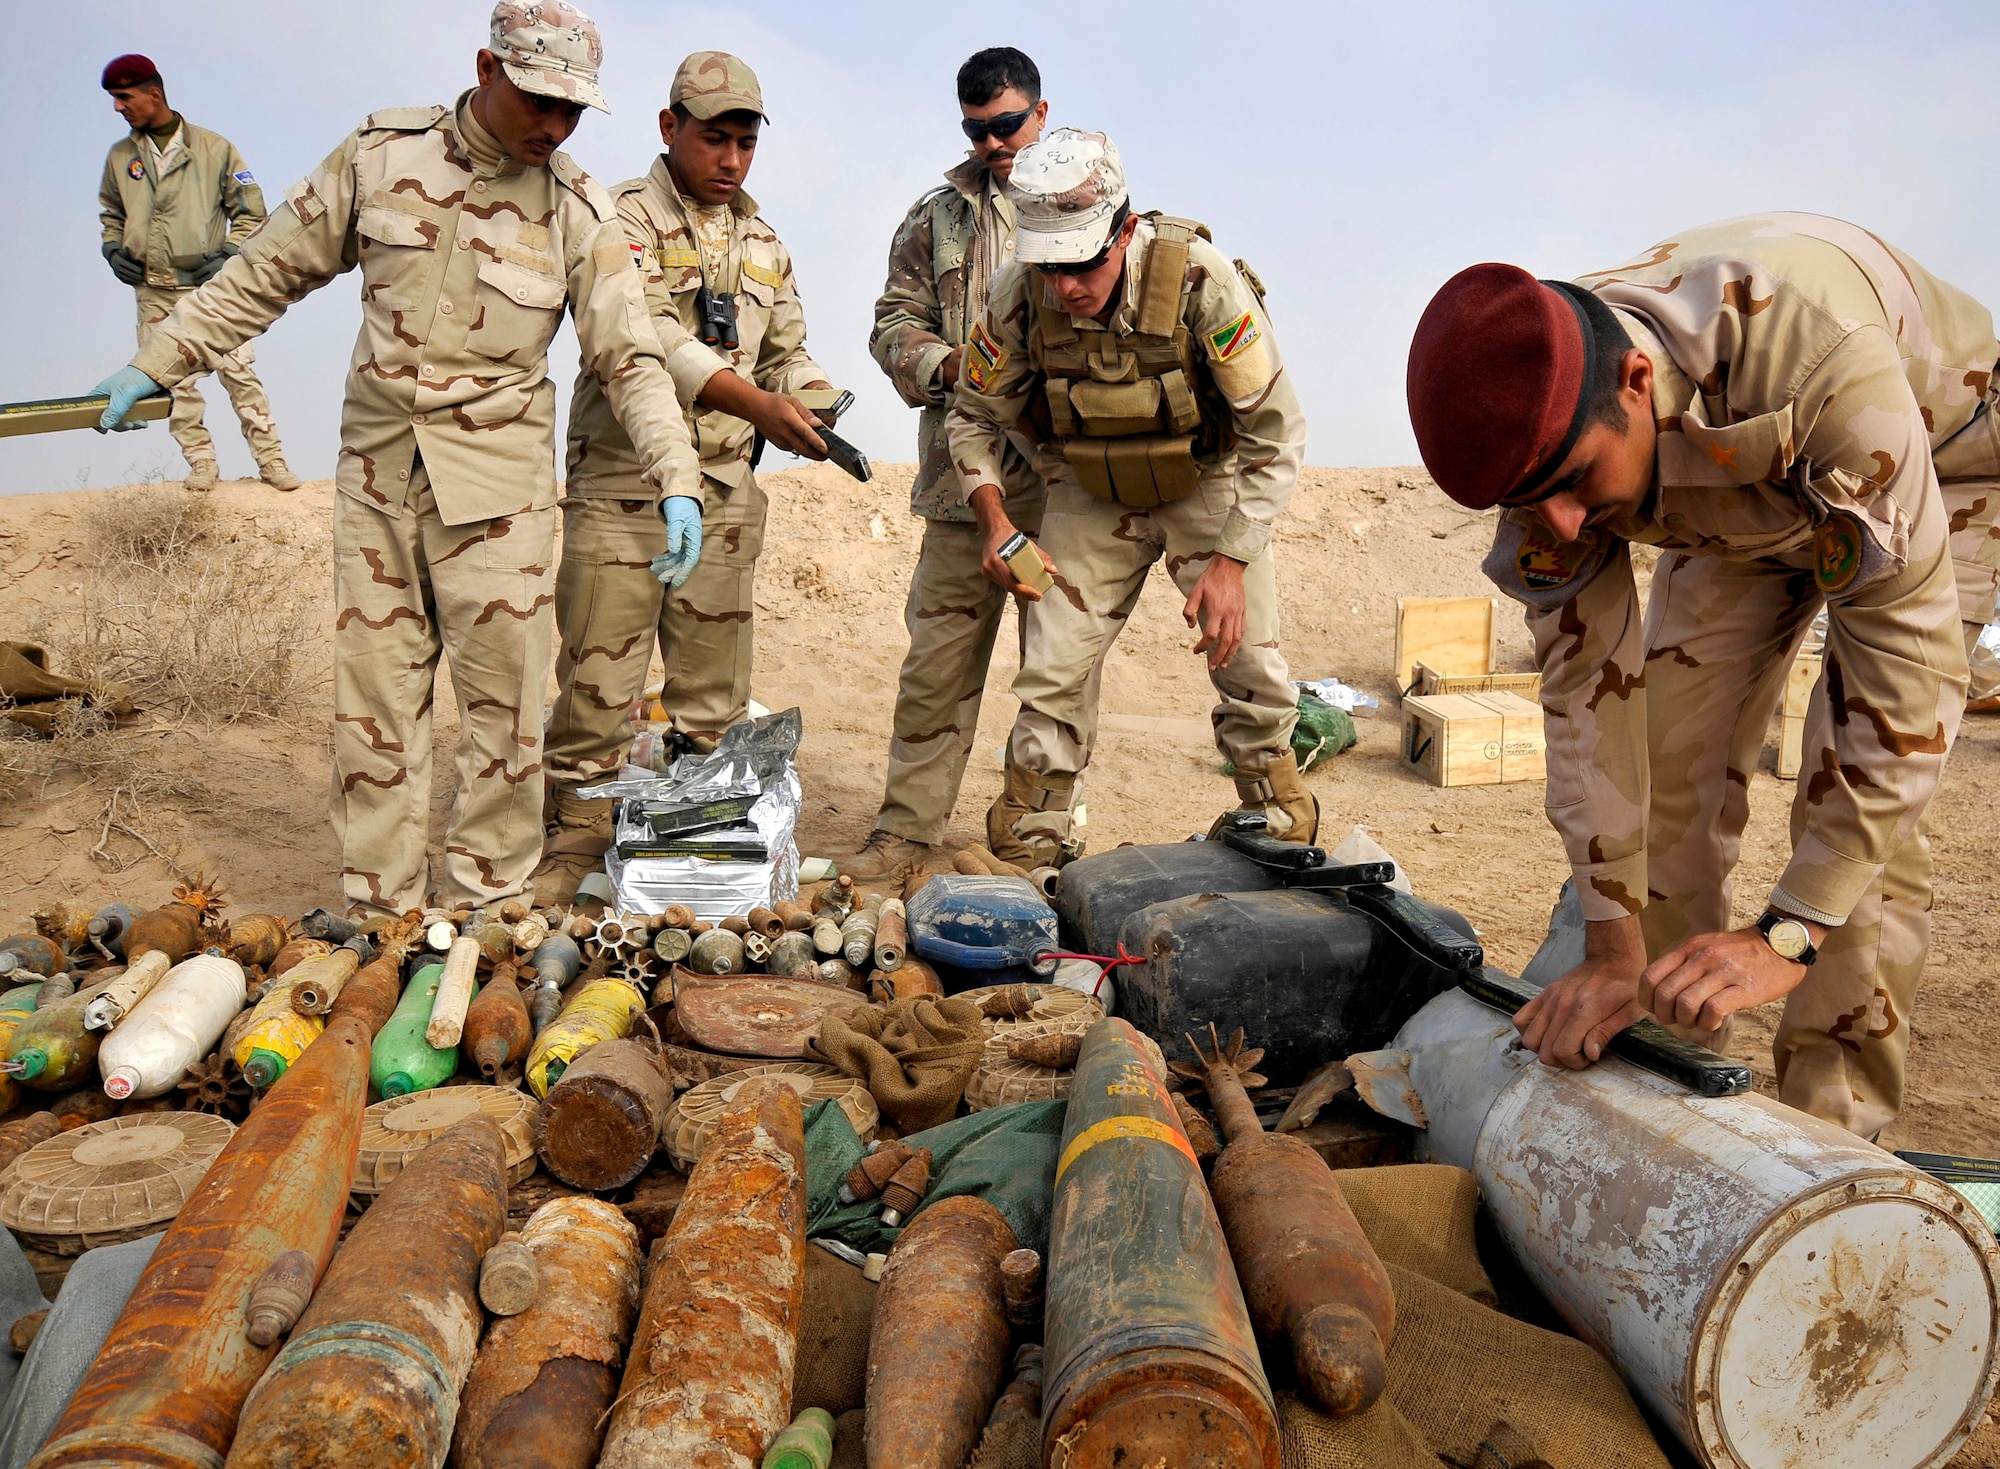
point(945, 255)
point(1141, 360)
point(1802, 418)
point(176, 202)
point(690, 225)
point(472, 233)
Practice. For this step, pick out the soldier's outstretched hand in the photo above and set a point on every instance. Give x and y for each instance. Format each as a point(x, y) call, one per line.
point(1217, 607)
point(124, 388)
point(1703, 980)
point(1571, 1022)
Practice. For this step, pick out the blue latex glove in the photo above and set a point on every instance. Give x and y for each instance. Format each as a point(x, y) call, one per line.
point(125, 387)
point(682, 514)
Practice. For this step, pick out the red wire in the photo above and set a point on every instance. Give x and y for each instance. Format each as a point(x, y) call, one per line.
point(1108, 962)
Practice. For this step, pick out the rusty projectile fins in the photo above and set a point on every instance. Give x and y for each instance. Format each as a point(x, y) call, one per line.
point(906, 1188)
point(865, 1179)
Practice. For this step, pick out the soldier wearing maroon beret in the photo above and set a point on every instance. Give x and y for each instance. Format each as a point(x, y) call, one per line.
point(1802, 419)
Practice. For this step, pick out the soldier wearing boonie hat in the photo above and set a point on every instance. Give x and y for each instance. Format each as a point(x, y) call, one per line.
point(1803, 418)
point(473, 233)
point(1141, 361)
point(629, 583)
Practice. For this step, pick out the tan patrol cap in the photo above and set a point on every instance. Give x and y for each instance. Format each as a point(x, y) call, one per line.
point(1066, 191)
point(710, 83)
point(550, 48)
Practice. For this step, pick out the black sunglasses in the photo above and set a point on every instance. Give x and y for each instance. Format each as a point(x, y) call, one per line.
point(1004, 126)
point(1077, 267)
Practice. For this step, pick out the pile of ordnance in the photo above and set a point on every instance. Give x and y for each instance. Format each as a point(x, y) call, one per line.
point(548, 1187)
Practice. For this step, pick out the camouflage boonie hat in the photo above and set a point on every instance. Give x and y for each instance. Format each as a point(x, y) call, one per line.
point(710, 83)
point(550, 48)
point(1066, 190)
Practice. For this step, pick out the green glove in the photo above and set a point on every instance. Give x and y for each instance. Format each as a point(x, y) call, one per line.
point(128, 270)
point(212, 265)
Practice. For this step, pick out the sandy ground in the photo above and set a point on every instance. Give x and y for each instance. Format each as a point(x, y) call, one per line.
point(830, 639)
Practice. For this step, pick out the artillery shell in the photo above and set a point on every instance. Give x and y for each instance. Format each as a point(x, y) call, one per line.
point(939, 1340)
point(1046, 880)
point(1021, 1284)
point(495, 941)
point(970, 865)
point(316, 983)
point(461, 968)
point(17, 1137)
point(1010, 1001)
point(1201, 1137)
point(792, 954)
point(256, 938)
point(679, 915)
point(279, 1296)
point(508, 1278)
point(699, 927)
point(865, 1179)
point(1057, 1052)
point(735, 924)
point(857, 936)
point(672, 944)
point(81, 1108)
point(497, 1029)
point(837, 897)
point(766, 922)
point(36, 953)
point(906, 1189)
point(556, 960)
point(51, 1050)
point(716, 952)
point(547, 1005)
point(709, 1380)
point(826, 934)
point(539, 1388)
point(892, 935)
point(64, 924)
point(514, 910)
point(118, 997)
point(108, 927)
point(295, 953)
point(601, 1122)
point(174, 929)
point(795, 918)
point(320, 924)
point(838, 971)
point(372, 1372)
point(911, 978)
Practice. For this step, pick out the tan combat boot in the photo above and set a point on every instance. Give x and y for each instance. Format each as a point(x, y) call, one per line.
point(1029, 825)
point(884, 857)
point(579, 834)
point(1290, 811)
point(277, 474)
point(201, 475)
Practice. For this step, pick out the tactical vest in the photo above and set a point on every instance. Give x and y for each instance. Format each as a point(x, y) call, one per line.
point(1138, 415)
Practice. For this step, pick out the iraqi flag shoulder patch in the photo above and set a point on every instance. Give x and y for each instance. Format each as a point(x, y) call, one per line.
point(1237, 337)
point(984, 358)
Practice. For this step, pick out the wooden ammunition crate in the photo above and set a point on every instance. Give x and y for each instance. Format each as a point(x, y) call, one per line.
point(1429, 681)
point(1474, 739)
point(1451, 635)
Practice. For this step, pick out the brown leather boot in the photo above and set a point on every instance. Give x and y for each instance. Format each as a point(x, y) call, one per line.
point(1291, 812)
point(1029, 824)
point(884, 857)
point(580, 833)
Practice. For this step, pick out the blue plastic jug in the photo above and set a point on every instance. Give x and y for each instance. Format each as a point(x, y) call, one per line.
point(983, 923)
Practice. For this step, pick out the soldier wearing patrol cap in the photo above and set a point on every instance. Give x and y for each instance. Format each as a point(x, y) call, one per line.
point(176, 202)
point(1802, 418)
point(472, 233)
point(719, 286)
point(1140, 361)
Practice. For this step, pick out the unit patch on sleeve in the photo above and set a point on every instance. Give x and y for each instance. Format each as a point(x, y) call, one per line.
point(1836, 553)
point(985, 358)
point(243, 177)
point(1547, 563)
point(1239, 336)
point(135, 169)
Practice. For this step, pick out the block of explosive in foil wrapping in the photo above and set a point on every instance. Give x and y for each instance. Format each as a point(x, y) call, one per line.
point(542, 1381)
point(938, 1344)
point(709, 1378)
point(370, 1376)
point(1151, 1355)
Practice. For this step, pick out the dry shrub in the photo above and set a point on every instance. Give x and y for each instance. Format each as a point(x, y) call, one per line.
point(204, 623)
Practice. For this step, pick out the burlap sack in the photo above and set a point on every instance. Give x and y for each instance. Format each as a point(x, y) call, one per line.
point(915, 1055)
point(831, 1370)
point(1014, 1444)
point(850, 1442)
point(1421, 1216)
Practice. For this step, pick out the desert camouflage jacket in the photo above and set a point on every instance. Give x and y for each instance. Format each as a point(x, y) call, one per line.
point(770, 337)
point(941, 264)
point(171, 208)
point(1804, 373)
point(467, 260)
point(1237, 348)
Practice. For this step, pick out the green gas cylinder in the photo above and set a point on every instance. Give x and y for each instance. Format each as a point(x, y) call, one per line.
point(403, 1061)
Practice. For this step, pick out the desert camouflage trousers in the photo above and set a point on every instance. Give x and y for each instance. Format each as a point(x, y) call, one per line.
point(1103, 553)
point(1720, 639)
point(611, 611)
point(1968, 471)
point(953, 616)
point(408, 587)
point(253, 409)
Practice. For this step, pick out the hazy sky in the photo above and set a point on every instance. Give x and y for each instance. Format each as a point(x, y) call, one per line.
point(1355, 154)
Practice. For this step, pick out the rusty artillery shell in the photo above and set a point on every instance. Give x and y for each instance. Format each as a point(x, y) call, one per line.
point(37, 954)
point(174, 930)
point(1010, 1002)
point(63, 923)
point(454, 995)
point(938, 1343)
point(837, 898)
point(911, 978)
point(735, 924)
point(497, 1030)
point(766, 922)
point(837, 971)
point(81, 1108)
point(1151, 1354)
point(970, 865)
point(1021, 1284)
point(1201, 1137)
point(317, 982)
point(679, 915)
point(793, 955)
point(279, 1297)
point(167, 1386)
point(372, 1372)
point(699, 927)
point(716, 952)
point(508, 1277)
point(892, 935)
point(865, 1179)
point(21, 1335)
point(1022, 1397)
point(256, 938)
point(600, 1123)
point(906, 1188)
point(709, 1380)
point(495, 940)
point(542, 1381)
point(295, 953)
point(17, 1137)
point(795, 918)
point(1058, 1052)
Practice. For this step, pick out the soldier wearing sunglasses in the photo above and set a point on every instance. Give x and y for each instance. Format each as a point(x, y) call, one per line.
point(1139, 361)
point(946, 254)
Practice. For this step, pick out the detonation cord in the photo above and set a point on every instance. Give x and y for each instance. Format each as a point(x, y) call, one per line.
point(1103, 959)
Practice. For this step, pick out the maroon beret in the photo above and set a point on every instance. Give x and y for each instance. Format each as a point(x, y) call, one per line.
point(130, 71)
point(1496, 379)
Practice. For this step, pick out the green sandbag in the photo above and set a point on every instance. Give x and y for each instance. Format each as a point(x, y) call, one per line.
point(1004, 1155)
point(1323, 731)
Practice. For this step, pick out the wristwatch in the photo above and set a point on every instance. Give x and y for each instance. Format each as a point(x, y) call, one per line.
point(1788, 938)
